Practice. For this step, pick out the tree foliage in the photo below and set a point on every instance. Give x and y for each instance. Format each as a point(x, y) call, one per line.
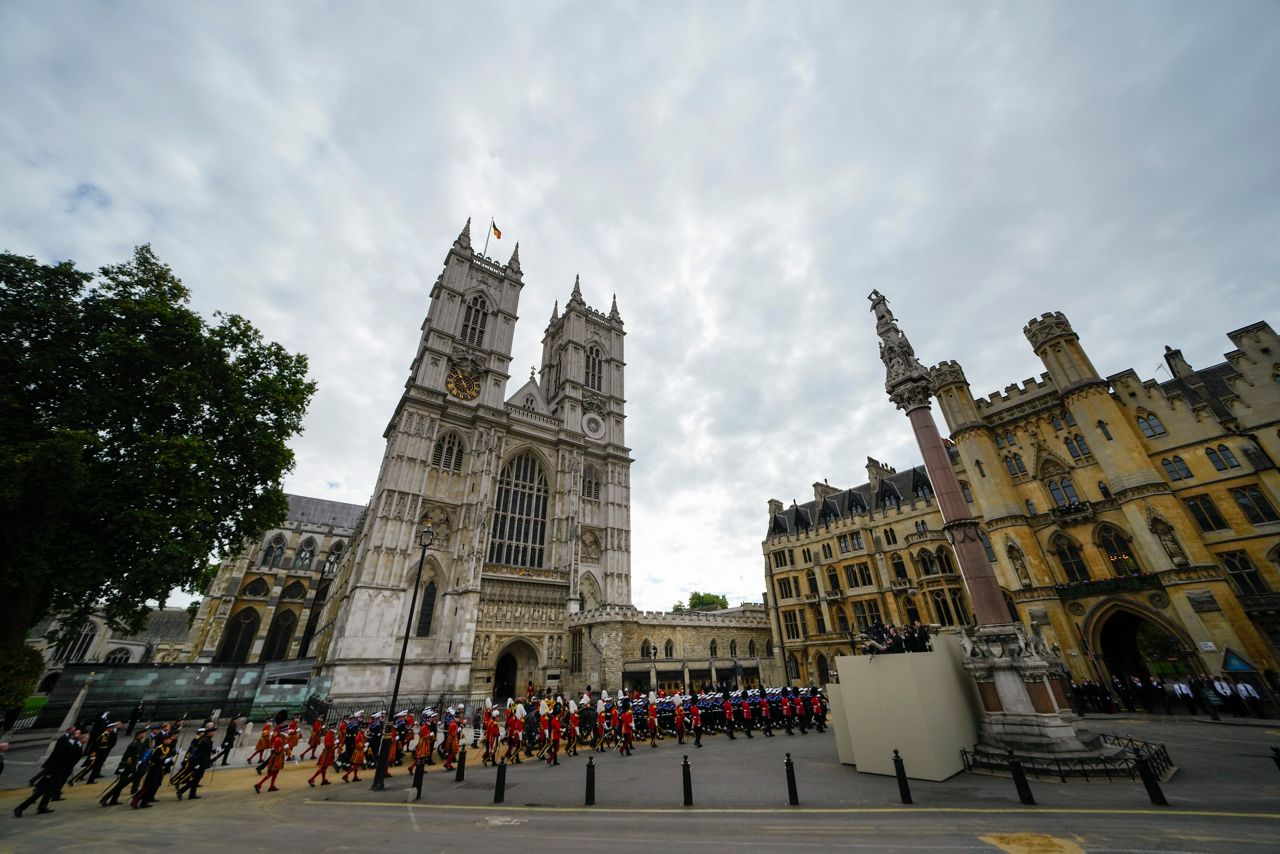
point(703, 601)
point(136, 439)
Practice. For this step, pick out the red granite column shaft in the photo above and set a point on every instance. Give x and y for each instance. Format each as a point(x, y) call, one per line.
point(984, 591)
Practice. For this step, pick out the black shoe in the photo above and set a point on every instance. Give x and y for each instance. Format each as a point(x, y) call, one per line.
point(193, 797)
point(17, 812)
point(43, 810)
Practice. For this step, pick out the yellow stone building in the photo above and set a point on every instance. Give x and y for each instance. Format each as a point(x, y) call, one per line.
point(1133, 521)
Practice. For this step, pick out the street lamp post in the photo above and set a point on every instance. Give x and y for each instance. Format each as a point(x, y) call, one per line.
point(425, 535)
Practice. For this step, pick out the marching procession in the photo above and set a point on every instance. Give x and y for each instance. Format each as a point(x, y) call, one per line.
point(531, 728)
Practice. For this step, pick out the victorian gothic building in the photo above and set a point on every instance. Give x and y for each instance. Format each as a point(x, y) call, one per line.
point(1132, 522)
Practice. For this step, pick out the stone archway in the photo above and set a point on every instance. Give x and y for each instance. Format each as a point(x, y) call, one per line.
point(1131, 640)
point(514, 668)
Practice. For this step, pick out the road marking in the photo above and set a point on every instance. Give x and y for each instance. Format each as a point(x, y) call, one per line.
point(1031, 843)
point(1265, 816)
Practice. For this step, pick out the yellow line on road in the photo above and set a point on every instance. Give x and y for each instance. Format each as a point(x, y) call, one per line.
point(1268, 816)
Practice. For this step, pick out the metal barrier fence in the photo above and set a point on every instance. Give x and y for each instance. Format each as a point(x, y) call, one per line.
point(1120, 765)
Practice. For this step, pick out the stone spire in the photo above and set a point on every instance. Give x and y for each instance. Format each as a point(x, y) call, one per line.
point(555, 311)
point(464, 239)
point(613, 311)
point(906, 380)
point(577, 291)
point(514, 264)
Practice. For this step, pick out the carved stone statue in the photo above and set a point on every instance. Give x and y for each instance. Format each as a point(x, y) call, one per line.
point(1019, 565)
point(1169, 541)
point(590, 547)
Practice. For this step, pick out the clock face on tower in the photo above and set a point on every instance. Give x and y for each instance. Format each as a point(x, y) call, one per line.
point(462, 384)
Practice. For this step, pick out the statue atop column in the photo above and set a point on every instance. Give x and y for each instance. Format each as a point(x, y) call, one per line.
point(906, 380)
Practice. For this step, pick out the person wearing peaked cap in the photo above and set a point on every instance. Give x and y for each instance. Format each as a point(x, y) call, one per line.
point(199, 758)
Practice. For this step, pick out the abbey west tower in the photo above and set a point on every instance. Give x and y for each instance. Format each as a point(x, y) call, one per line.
point(529, 495)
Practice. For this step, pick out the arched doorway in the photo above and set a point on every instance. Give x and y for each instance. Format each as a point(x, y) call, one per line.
point(1134, 645)
point(516, 667)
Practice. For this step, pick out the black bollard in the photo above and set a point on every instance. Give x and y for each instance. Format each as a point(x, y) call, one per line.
point(591, 781)
point(1020, 781)
point(418, 770)
point(792, 797)
point(500, 785)
point(688, 781)
point(1149, 780)
point(461, 773)
point(1275, 755)
point(904, 788)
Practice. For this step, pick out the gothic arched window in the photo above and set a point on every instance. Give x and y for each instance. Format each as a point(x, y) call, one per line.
point(713, 648)
point(279, 636)
point(646, 649)
point(74, 648)
point(733, 649)
point(448, 452)
point(302, 560)
point(899, 568)
point(669, 649)
point(274, 552)
point(119, 655)
point(928, 566)
point(1070, 558)
point(520, 515)
point(473, 321)
point(335, 555)
point(945, 564)
point(256, 588)
point(1150, 426)
point(1102, 428)
point(1222, 458)
point(590, 483)
point(1176, 468)
point(941, 609)
point(294, 590)
point(237, 638)
point(751, 646)
point(427, 612)
point(595, 368)
point(1063, 492)
point(1118, 550)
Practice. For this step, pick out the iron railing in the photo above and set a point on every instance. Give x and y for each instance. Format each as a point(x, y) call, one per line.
point(1122, 764)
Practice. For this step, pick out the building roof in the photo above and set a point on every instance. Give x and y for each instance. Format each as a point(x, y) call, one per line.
point(893, 489)
point(323, 513)
point(164, 625)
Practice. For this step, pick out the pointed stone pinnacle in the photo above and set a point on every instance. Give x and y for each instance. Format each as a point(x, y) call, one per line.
point(464, 239)
point(514, 264)
point(555, 311)
point(613, 312)
point(577, 287)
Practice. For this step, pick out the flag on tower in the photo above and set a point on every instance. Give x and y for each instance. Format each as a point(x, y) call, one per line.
point(496, 231)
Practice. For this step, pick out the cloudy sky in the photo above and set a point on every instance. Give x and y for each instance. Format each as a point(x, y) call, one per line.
point(741, 175)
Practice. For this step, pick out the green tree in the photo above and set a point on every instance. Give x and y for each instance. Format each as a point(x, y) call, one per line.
point(136, 439)
point(707, 601)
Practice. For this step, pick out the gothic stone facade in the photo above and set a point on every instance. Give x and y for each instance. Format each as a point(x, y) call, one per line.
point(1110, 505)
point(265, 602)
point(528, 493)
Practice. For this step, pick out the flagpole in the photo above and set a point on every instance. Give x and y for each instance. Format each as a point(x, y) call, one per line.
point(487, 234)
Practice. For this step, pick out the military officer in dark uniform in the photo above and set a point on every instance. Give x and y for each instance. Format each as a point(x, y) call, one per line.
point(127, 769)
point(199, 757)
point(48, 786)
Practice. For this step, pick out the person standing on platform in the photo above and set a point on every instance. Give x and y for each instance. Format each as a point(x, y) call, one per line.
point(275, 763)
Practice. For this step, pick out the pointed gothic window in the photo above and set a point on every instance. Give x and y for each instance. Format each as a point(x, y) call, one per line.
point(331, 562)
point(1119, 551)
point(590, 483)
point(1255, 505)
point(1206, 513)
point(1243, 574)
point(751, 647)
point(519, 528)
point(669, 649)
point(274, 552)
point(713, 649)
point(1150, 426)
point(473, 321)
point(595, 368)
point(1103, 490)
point(945, 565)
point(237, 637)
point(1072, 562)
point(73, 648)
point(1102, 428)
point(899, 568)
point(928, 566)
point(448, 452)
point(279, 636)
point(427, 614)
point(941, 609)
point(646, 649)
point(302, 560)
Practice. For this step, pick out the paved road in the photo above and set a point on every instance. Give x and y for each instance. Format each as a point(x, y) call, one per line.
point(1226, 796)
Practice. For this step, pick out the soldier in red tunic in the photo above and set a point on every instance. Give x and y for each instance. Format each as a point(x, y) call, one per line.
point(451, 744)
point(766, 722)
point(746, 714)
point(357, 759)
point(679, 720)
point(571, 746)
point(695, 719)
point(274, 764)
point(490, 739)
point(313, 740)
point(786, 712)
point(628, 726)
point(728, 717)
point(553, 748)
point(325, 760)
point(652, 722)
point(264, 743)
point(422, 750)
point(819, 716)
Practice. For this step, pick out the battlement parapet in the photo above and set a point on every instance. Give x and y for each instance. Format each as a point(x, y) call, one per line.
point(947, 373)
point(1016, 393)
point(1048, 327)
